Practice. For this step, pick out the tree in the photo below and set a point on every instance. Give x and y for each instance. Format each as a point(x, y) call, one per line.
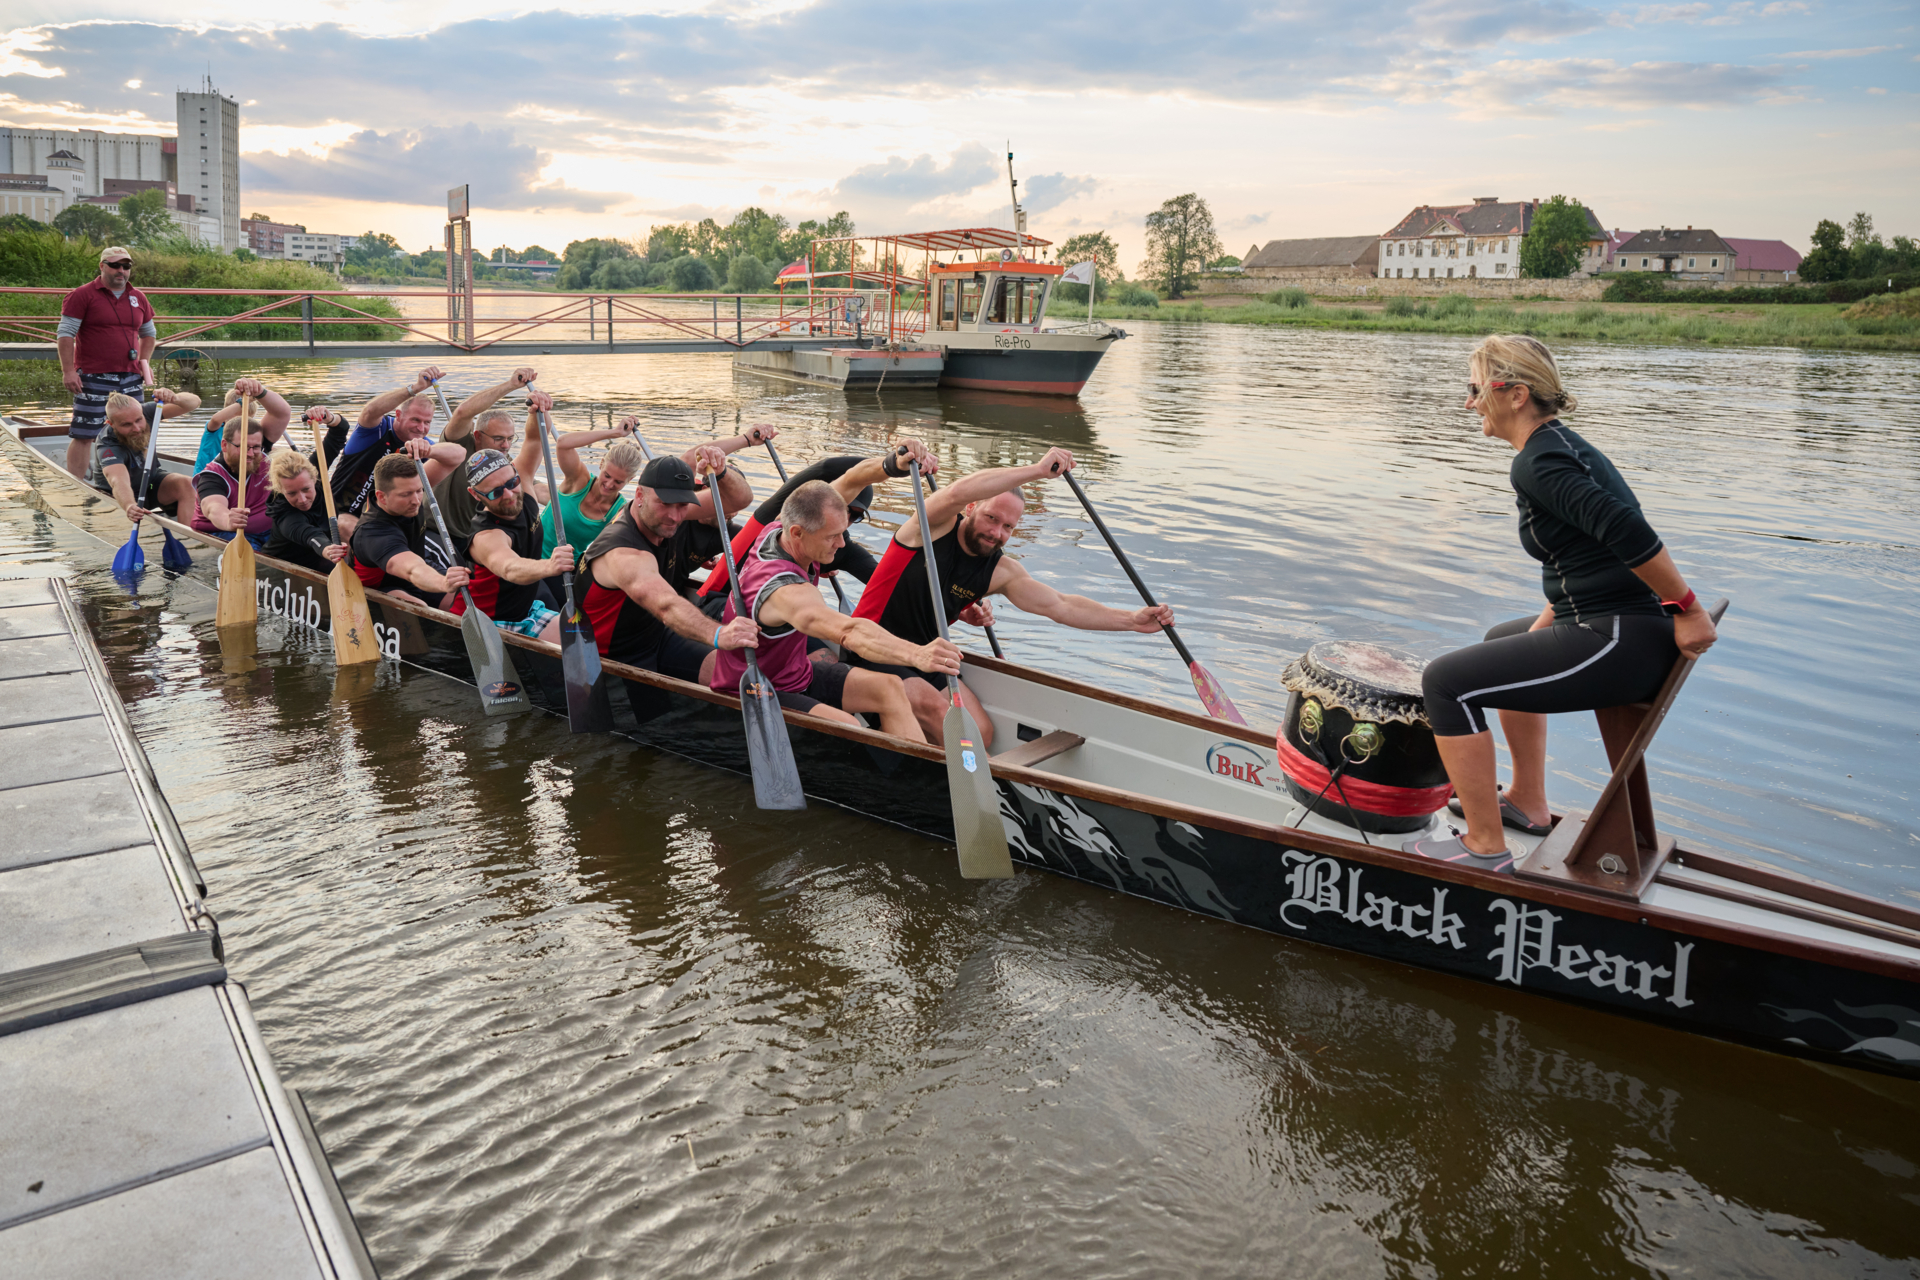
point(374, 250)
point(1098, 248)
point(747, 274)
point(90, 222)
point(1866, 255)
point(1224, 260)
point(1829, 259)
point(1906, 254)
point(21, 222)
point(1557, 241)
point(832, 257)
point(244, 254)
point(756, 232)
point(666, 243)
point(147, 219)
point(617, 273)
point(690, 275)
point(536, 253)
point(1180, 237)
point(583, 258)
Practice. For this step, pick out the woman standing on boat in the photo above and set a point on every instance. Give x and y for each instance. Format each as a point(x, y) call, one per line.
point(1618, 612)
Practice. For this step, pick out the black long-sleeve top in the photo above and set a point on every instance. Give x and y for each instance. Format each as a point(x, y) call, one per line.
point(1582, 523)
point(299, 536)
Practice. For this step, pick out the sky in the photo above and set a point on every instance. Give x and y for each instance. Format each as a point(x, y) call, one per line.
point(1756, 118)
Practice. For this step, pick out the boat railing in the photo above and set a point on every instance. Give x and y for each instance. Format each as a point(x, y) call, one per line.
point(305, 316)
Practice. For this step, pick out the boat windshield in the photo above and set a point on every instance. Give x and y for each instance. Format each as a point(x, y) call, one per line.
point(969, 300)
point(1016, 300)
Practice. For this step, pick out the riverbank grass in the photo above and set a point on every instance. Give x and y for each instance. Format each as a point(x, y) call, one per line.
point(1817, 325)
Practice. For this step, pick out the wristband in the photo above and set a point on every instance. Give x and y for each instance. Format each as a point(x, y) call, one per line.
point(1681, 605)
point(889, 461)
point(716, 637)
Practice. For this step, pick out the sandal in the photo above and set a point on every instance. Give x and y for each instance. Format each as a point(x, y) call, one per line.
point(1454, 850)
point(1510, 816)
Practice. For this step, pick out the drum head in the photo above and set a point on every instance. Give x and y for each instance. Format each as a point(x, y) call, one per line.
point(1370, 681)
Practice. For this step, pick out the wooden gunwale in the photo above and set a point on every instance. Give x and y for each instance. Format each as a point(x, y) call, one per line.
point(1821, 951)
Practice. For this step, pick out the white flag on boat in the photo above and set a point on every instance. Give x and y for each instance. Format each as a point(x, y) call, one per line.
point(1078, 273)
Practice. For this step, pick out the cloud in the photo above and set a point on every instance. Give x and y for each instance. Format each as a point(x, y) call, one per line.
point(907, 182)
point(1552, 86)
point(15, 45)
point(416, 166)
point(1840, 53)
point(1051, 190)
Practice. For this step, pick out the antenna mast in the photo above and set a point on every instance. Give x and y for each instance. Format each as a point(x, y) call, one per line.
point(1013, 190)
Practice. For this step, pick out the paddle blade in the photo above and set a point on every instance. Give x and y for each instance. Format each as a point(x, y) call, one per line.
point(238, 645)
point(977, 830)
point(239, 605)
point(587, 707)
point(130, 558)
point(351, 620)
point(501, 693)
point(776, 778)
point(173, 554)
point(1213, 697)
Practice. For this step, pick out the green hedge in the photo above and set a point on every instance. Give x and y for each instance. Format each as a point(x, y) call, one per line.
point(1648, 286)
point(49, 260)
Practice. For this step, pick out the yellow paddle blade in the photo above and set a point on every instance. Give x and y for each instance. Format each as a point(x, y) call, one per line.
point(239, 604)
point(350, 618)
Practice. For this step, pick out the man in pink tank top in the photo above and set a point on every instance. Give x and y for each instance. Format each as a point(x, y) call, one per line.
point(779, 577)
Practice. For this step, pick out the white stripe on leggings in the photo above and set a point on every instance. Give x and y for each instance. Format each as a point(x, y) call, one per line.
point(1523, 684)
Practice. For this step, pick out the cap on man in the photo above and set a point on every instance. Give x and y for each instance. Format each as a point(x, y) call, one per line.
point(117, 462)
point(971, 521)
point(637, 570)
point(391, 549)
point(105, 340)
point(394, 422)
point(224, 510)
point(509, 573)
point(852, 557)
point(779, 580)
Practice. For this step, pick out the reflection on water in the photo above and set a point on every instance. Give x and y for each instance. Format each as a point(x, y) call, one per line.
point(562, 1007)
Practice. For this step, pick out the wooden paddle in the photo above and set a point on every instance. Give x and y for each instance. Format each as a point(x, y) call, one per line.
point(977, 832)
point(1212, 696)
point(239, 606)
point(776, 778)
point(351, 620)
point(501, 693)
point(587, 708)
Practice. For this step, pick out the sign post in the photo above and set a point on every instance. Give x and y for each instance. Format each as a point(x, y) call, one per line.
point(459, 269)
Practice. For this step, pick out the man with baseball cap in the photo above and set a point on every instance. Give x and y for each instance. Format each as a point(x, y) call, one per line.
point(504, 547)
point(106, 340)
point(638, 571)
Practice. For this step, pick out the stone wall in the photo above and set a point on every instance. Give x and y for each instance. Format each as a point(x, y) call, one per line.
point(1579, 288)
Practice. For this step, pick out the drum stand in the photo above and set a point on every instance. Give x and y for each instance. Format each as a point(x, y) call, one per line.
point(1615, 850)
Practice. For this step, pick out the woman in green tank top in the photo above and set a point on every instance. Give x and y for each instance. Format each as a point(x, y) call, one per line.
point(588, 500)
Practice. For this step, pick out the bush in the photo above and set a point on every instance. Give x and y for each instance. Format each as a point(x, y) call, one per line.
point(1636, 286)
point(1401, 305)
point(1589, 313)
point(618, 273)
point(1135, 295)
point(1291, 299)
point(1454, 304)
point(1650, 287)
point(747, 274)
point(1886, 306)
point(690, 275)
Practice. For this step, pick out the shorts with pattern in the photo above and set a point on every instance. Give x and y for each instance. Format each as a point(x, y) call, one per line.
point(90, 402)
point(531, 625)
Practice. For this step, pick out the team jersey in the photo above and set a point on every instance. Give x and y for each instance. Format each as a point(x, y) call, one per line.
point(215, 481)
point(897, 598)
point(380, 536)
point(782, 655)
point(352, 470)
point(624, 630)
point(1582, 523)
point(852, 558)
point(493, 595)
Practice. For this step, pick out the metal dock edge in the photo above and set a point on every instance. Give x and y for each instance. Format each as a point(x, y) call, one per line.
point(143, 1127)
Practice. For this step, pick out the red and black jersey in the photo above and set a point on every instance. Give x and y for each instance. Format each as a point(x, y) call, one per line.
point(623, 630)
point(380, 536)
point(493, 595)
point(897, 598)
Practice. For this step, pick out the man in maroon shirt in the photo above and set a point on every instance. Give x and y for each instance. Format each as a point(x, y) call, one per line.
point(106, 338)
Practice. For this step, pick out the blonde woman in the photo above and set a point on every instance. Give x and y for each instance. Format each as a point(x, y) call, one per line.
point(301, 534)
point(1618, 612)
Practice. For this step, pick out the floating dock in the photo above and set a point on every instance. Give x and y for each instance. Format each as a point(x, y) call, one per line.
point(144, 1129)
point(847, 366)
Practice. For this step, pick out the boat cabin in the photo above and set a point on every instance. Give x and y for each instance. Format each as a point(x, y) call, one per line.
point(990, 296)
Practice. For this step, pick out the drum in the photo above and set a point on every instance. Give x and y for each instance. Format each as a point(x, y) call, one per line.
point(1355, 745)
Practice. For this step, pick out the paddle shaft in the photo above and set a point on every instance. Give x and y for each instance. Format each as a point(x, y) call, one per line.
point(993, 640)
point(1127, 564)
point(246, 434)
point(553, 503)
point(933, 571)
point(446, 539)
point(153, 444)
point(326, 485)
point(781, 468)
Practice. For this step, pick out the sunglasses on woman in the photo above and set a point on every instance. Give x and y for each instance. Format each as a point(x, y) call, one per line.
point(493, 495)
point(1474, 389)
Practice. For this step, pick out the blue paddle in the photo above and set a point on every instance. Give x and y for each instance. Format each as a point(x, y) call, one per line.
point(131, 558)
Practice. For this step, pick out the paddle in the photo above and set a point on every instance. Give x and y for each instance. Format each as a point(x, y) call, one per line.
point(501, 693)
point(173, 552)
point(976, 800)
point(587, 707)
point(1212, 696)
point(130, 558)
point(992, 639)
point(238, 604)
point(351, 620)
point(776, 778)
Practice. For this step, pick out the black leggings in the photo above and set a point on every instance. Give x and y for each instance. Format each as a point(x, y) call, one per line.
point(1602, 662)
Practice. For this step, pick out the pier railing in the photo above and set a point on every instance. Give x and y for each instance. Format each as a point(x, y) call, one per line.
point(731, 320)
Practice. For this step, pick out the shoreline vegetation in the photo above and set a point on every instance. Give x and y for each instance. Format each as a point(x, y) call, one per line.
point(1890, 322)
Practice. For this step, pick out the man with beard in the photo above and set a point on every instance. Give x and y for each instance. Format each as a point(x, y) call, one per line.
point(505, 548)
point(393, 423)
point(852, 557)
point(119, 460)
point(391, 550)
point(637, 570)
point(971, 521)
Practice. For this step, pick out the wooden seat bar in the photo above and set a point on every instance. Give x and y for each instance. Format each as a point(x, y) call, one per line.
point(1045, 747)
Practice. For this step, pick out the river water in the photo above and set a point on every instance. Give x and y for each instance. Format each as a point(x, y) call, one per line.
point(562, 1007)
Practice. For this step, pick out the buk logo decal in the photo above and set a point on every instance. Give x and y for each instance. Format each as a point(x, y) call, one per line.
point(501, 691)
point(1243, 763)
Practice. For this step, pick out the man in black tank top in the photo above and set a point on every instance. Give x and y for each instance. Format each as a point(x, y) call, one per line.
point(972, 520)
point(504, 546)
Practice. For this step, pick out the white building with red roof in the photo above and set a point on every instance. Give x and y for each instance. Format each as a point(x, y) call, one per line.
point(1480, 240)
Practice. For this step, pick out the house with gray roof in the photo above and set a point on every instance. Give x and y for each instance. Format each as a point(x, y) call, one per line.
point(1477, 240)
point(1685, 255)
point(1325, 256)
